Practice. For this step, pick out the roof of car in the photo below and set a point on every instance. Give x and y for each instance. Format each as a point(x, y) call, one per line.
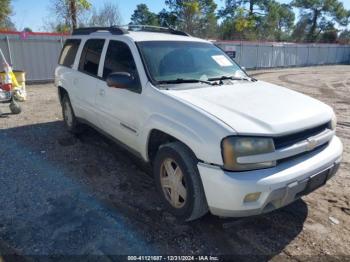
point(152, 36)
point(137, 35)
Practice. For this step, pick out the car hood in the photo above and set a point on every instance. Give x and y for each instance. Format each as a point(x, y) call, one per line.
point(257, 108)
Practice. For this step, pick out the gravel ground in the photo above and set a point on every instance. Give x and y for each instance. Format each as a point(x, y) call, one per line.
point(68, 195)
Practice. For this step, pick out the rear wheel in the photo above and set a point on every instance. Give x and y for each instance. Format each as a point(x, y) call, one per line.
point(178, 181)
point(69, 118)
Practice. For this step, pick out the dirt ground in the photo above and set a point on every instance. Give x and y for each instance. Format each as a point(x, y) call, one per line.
point(66, 195)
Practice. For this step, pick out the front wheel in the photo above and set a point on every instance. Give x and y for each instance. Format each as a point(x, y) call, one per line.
point(179, 182)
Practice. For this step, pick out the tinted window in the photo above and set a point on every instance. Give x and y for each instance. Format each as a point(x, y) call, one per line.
point(69, 52)
point(119, 59)
point(90, 56)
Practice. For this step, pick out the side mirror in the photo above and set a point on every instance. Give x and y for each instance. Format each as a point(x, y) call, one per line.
point(243, 68)
point(120, 80)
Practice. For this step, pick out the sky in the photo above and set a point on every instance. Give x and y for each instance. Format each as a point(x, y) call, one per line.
point(34, 13)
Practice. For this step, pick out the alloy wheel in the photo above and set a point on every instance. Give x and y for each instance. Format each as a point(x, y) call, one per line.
point(173, 183)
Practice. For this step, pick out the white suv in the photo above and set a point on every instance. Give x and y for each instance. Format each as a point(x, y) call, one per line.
point(216, 138)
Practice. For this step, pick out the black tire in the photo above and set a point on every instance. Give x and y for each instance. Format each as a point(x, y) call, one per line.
point(195, 205)
point(69, 118)
point(15, 107)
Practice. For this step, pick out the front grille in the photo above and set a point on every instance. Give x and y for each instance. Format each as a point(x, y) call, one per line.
point(289, 140)
point(319, 148)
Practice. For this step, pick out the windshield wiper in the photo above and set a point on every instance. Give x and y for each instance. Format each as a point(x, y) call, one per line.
point(229, 78)
point(183, 81)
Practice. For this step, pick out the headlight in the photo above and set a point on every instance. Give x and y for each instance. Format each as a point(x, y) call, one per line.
point(334, 122)
point(235, 147)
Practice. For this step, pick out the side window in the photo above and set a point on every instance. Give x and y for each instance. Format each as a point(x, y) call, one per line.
point(90, 56)
point(119, 59)
point(69, 52)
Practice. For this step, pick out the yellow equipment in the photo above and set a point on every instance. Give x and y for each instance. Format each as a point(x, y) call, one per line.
point(18, 79)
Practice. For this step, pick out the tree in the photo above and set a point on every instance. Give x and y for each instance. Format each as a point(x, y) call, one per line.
point(208, 20)
point(302, 26)
point(278, 22)
point(167, 19)
point(242, 18)
point(196, 17)
point(250, 7)
point(108, 15)
point(8, 25)
point(143, 16)
point(240, 26)
point(69, 12)
point(5, 13)
point(256, 19)
point(317, 13)
point(27, 29)
point(286, 18)
point(344, 37)
point(187, 13)
point(53, 26)
point(61, 28)
point(228, 11)
point(330, 35)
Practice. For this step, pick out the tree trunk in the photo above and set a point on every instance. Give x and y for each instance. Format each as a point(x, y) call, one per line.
point(251, 7)
point(314, 25)
point(73, 13)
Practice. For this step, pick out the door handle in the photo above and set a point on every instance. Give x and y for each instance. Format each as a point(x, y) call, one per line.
point(102, 92)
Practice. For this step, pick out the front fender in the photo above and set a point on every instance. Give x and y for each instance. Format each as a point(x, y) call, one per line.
point(177, 130)
point(206, 149)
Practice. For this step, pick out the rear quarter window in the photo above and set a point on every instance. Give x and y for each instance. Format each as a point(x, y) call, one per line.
point(69, 52)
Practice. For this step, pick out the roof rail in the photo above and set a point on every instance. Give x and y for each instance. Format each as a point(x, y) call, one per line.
point(122, 30)
point(89, 30)
point(156, 29)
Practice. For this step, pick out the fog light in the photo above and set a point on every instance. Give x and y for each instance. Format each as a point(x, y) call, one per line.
point(252, 197)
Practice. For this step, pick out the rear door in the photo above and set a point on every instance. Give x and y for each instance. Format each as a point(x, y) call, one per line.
point(65, 72)
point(86, 79)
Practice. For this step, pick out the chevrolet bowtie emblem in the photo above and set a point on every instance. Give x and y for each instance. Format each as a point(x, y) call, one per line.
point(311, 143)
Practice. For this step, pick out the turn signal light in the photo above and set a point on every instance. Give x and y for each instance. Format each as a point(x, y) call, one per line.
point(252, 197)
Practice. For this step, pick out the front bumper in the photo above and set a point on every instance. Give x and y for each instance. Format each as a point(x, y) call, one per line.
point(279, 186)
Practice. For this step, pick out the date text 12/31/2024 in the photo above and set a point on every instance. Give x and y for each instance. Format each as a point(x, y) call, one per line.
point(173, 258)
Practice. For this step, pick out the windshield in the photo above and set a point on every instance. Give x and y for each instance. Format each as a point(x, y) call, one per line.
point(168, 61)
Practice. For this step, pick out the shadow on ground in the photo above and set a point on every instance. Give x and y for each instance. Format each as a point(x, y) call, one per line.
point(61, 194)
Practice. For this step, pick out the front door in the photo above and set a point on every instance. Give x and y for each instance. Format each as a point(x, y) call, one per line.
point(120, 110)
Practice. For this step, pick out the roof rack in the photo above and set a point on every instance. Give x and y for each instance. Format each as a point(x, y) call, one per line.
point(155, 29)
point(122, 30)
point(89, 30)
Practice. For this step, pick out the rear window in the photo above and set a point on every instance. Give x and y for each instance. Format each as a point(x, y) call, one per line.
point(90, 56)
point(69, 51)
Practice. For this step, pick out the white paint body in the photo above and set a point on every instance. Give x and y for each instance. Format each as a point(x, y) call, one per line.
point(201, 118)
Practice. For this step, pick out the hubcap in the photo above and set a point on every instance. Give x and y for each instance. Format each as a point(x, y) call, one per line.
point(68, 115)
point(173, 183)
